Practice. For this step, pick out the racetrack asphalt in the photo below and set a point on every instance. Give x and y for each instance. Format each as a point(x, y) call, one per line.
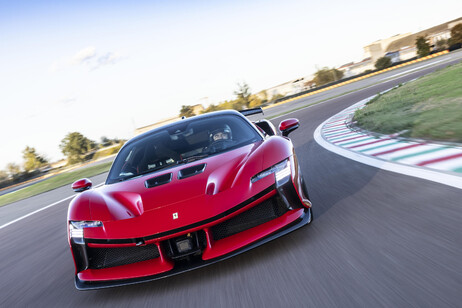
point(379, 239)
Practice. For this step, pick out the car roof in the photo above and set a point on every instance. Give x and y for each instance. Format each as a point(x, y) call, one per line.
point(186, 120)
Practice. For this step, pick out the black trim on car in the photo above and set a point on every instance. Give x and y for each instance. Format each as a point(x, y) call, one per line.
point(191, 226)
point(158, 180)
point(190, 171)
point(248, 112)
point(304, 219)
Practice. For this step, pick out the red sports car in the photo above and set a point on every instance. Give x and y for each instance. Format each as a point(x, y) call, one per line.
point(186, 195)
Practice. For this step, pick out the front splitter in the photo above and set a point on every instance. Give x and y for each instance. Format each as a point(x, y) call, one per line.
point(304, 219)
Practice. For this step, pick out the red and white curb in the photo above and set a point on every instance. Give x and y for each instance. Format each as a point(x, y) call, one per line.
point(431, 161)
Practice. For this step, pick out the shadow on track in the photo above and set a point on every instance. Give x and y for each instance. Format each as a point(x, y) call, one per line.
point(322, 177)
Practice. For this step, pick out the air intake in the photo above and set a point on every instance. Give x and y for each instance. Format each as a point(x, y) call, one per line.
point(187, 172)
point(158, 180)
point(110, 257)
point(267, 210)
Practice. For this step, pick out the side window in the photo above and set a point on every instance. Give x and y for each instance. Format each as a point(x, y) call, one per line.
point(267, 127)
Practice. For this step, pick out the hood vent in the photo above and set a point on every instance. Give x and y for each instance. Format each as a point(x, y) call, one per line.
point(187, 172)
point(158, 180)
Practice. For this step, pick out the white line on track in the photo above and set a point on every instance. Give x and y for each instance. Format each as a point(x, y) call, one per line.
point(414, 69)
point(41, 209)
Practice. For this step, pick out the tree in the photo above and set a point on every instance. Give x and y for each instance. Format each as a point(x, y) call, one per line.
point(13, 170)
point(187, 111)
point(456, 35)
point(309, 84)
point(211, 108)
point(275, 97)
point(326, 75)
point(383, 63)
point(243, 96)
point(75, 145)
point(442, 44)
point(263, 95)
point(423, 48)
point(3, 175)
point(105, 141)
point(255, 101)
point(32, 160)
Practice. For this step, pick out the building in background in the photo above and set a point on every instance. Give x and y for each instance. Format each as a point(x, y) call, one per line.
point(372, 53)
point(406, 46)
point(355, 68)
point(378, 48)
point(400, 47)
point(289, 88)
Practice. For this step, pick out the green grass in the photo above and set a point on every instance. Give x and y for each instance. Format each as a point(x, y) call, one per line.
point(427, 108)
point(54, 182)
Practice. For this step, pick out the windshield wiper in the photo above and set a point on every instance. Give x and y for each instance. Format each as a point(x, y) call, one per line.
point(191, 159)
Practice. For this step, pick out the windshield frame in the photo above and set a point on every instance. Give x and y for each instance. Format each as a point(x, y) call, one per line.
point(238, 119)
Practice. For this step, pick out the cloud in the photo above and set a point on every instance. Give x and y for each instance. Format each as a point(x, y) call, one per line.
point(88, 57)
point(109, 58)
point(84, 55)
point(67, 100)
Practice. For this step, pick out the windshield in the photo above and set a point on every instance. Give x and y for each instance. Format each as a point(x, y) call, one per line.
point(180, 144)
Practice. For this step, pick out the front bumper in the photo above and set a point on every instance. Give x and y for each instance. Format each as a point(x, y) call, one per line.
point(224, 236)
point(303, 219)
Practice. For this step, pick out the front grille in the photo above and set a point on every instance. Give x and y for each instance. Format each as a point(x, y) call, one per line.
point(109, 257)
point(257, 215)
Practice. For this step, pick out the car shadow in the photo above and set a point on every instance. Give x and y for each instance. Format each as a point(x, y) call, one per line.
point(329, 177)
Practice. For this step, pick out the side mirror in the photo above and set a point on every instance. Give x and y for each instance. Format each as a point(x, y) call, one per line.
point(288, 126)
point(81, 185)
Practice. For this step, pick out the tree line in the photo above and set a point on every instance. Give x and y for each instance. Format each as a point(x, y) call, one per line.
point(244, 99)
point(75, 147)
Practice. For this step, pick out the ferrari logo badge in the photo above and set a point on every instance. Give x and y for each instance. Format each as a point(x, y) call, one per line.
point(175, 215)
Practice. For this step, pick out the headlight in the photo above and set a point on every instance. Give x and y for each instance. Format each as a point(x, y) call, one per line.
point(76, 227)
point(281, 170)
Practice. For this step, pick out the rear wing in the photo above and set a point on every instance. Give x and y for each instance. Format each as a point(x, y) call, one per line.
point(252, 111)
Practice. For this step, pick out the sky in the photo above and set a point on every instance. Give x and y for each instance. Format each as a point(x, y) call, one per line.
point(104, 68)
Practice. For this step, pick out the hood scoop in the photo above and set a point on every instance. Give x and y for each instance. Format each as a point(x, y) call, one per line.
point(158, 180)
point(190, 171)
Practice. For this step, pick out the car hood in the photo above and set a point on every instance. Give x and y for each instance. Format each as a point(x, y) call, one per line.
point(130, 209)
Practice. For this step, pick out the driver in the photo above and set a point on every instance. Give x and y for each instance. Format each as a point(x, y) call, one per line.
point(222, 133)
point(220, 138)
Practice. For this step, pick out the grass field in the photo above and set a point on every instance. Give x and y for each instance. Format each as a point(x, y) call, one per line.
point(427, 108)
point(54, 182)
